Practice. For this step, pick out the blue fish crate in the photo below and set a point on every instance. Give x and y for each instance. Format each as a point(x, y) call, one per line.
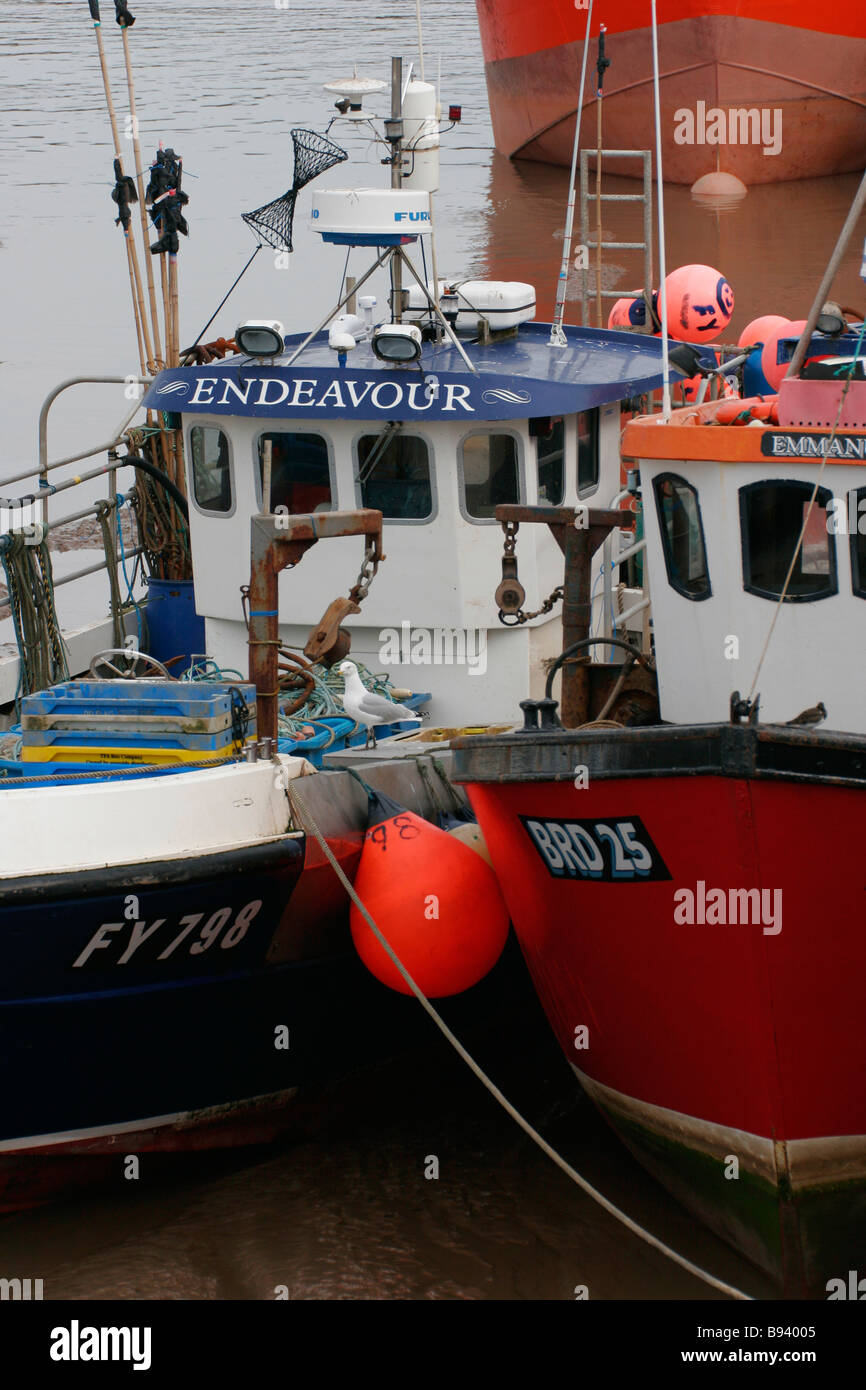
point(192, 707)
point(109, 736)
point(189, 716)
point(331, 733)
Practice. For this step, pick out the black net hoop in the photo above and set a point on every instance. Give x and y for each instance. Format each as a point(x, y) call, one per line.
point(313, 155)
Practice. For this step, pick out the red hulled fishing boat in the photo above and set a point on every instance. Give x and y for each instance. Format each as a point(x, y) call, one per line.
point(687, 882)
point(765, 89)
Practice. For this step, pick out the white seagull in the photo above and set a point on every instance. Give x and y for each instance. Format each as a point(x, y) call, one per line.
point(368, 708)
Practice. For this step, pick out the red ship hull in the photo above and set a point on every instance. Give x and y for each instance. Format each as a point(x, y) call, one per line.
point(805, 63)
point(729, 1056)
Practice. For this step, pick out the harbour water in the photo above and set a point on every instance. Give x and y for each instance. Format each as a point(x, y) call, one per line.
point(342, 1209)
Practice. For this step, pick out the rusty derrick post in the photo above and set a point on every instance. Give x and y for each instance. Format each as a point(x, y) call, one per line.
point(578, 531)
point(275, 543)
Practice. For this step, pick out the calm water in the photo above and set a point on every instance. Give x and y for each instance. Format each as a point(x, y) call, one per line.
point(343, 1210)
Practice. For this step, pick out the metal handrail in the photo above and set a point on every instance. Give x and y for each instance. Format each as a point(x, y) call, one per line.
point(94, 569)
point(84, 381)
point(47, 490)
point(608, 563)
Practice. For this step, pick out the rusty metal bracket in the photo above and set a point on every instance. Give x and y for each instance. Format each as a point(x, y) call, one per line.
point(578, 531)
point(277, 543)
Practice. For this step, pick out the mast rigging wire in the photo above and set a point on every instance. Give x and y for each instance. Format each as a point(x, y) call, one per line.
point(557, 335)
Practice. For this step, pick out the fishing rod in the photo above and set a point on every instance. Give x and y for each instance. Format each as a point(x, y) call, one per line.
point(124, 193)
point(126, 20)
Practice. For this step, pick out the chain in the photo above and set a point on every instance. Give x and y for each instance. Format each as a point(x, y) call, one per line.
point(515, 619)
point(511, 591)
point(369, 567)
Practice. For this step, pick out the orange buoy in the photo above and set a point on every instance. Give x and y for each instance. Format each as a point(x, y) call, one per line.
point(757, 332)
point(774, 371)
point(435, 901)
point(630, 312)
point(619, 314)
point(718, 189)
point(469, 833)
point(700, 302)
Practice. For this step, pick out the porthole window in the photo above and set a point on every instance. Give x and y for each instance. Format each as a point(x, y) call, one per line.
point(772, 515)
point(300, 471)
point(682, 535)
point(856, 522)
point(394, 475)
point(490, 473)
point(587, 452)
point(211, 469)
point(549, 438)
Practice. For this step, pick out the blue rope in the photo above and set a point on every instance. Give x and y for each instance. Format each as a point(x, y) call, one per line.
point(121, 501)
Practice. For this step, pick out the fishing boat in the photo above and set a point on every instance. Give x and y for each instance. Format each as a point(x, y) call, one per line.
point(181, 961)
point(766, 90)
point(685, 881)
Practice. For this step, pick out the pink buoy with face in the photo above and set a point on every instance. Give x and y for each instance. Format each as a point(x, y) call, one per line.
point(700, 302)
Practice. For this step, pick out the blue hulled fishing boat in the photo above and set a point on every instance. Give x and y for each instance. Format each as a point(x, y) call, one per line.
point(179, 959)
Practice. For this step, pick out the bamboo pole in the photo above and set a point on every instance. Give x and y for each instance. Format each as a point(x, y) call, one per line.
point(166, 306)
point(145, 349)
point(175, 317)
point(177, 439)
point(159, 360)
point(137, 301)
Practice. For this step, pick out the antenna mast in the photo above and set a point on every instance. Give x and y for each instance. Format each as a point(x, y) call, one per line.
point(394, 134)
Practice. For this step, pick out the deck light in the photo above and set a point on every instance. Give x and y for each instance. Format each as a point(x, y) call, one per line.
point(260, 338)
point(397, 342)
point(449, 303)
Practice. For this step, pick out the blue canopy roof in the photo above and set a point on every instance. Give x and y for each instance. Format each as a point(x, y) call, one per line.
point(517, 377)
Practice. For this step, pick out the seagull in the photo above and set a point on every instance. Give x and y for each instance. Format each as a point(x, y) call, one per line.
point(815, 715)
point(368, 708)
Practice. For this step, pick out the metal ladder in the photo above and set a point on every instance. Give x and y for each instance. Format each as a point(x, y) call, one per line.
point(645, 245)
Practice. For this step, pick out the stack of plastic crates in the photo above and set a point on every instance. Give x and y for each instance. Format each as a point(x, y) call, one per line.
point(135, 722)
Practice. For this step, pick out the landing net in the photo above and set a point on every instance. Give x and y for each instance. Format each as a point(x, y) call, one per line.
point(313, 155)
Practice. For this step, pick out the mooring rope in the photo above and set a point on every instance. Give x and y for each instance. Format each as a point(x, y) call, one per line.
point(30, 585)
point(105, 515)
point(308, 821)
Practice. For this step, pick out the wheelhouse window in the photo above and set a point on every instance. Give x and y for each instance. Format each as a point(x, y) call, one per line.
point(857, 529)
point(491, 473)
point(394, 475)
point(587, 452)
point(682, 535)
point(300, 471)
point(211, 469)
point(549, 435)
point(772, 515)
